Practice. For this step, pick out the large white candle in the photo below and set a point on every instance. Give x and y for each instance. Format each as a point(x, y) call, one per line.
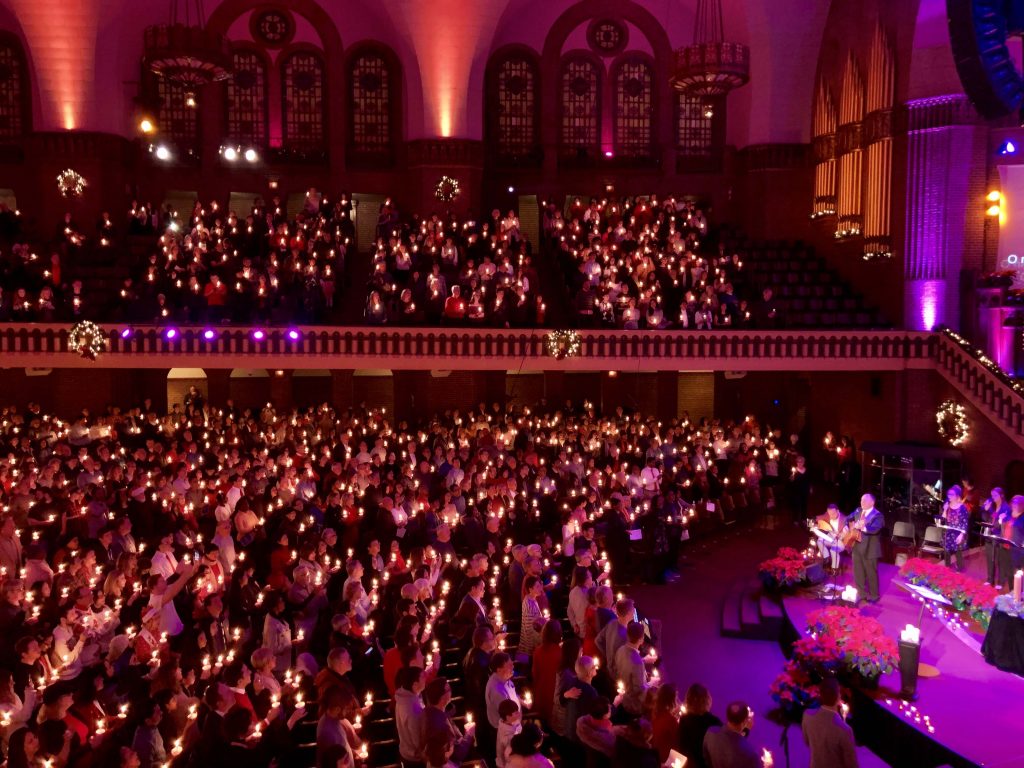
point(1018, 584)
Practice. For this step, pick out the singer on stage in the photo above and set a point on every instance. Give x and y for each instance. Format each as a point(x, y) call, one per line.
point(867, 523)
point(957, 516)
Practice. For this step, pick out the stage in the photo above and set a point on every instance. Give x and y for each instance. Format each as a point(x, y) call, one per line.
point(975, 709)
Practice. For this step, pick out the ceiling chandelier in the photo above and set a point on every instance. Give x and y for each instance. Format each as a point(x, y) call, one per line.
point(184, 51)
point(710, 67)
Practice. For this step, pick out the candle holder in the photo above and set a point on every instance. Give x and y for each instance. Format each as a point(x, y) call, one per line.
point(910, 660)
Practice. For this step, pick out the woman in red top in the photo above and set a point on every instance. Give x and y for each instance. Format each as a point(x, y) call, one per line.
point(666, 720)
point(280, 561)
point(547, 658)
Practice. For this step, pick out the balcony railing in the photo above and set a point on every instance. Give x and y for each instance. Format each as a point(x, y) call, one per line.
point(976, 377)
point(46, 345)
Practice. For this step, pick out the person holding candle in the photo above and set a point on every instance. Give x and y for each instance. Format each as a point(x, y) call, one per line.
point(409, 717)
point(438, 725)
point(499, 686)
point(694, 723)
point(826, 733)
point(728, 746)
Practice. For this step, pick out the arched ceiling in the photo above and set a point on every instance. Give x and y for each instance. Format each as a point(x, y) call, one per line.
point(87, 64)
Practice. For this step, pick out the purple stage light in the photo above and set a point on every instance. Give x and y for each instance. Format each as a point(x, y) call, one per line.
point(209, 334)
point(258, 335)
point(170, 333)
point(126, 333)
point(294, 335)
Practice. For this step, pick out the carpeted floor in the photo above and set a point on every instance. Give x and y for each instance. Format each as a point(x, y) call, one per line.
point(732, 669)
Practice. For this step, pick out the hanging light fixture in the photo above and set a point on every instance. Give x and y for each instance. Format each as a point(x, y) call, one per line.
point(185, 52)
point(710, 67)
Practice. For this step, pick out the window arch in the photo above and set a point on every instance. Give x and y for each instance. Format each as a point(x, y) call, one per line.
point(177, 118)
point(633, 97)
point(246, 102)
point(580, 96)
point(373, 93)
point(302, 101)
point(512, 96)
point(14, 110)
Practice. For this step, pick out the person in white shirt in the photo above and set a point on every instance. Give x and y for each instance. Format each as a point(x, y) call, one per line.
point(651, 477)
point(579, 599)
point(164, 562)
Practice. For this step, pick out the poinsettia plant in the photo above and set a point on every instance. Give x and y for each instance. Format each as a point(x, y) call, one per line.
point(787, 569)
point(862, 643)
point(964, 592)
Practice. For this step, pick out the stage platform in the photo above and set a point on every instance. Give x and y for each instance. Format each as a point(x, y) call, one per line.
point(976, 710)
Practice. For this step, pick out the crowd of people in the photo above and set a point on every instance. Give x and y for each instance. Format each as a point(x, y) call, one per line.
point(650, 263)
point(440, 270)
point(219, 586)
point(205, 265)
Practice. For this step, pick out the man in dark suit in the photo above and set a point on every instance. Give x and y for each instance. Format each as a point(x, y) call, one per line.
point(869, 521)
point(727, 747)
point(826, 733)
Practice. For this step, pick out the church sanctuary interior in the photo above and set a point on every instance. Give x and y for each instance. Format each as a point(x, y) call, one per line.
point(511, 383)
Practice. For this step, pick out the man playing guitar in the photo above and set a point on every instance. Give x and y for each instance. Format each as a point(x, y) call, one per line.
point(866, 524)
point(832, 525)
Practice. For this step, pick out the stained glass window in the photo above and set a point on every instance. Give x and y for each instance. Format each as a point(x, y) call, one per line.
point(246, 103)
point(12, 94)
point(370, 108)
point(176, 118)
point(693, 126)
point(634, 108)
point(302, 80)
point(581, 107)
point(514, 107)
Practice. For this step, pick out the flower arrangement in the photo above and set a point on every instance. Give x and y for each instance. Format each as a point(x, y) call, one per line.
point(842, 641)
point(965, 593)
point(1005, 603)
point(814, 659)
point(787, 569)
point(861, 640)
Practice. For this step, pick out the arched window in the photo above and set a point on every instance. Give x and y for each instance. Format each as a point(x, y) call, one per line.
point(302, 94)
point(633, 93)
point(580, 95)
point(177, 113)
point(512, 96)
point(246, 100)
point(13, 89)
point(373, 88)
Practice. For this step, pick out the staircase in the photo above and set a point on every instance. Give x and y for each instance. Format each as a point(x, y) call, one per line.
point(750, 614)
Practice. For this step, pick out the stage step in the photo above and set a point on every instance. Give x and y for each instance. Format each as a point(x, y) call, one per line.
point(731, 607)
point(749, 614)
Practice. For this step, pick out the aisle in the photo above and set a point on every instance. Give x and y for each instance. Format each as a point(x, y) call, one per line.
point(732, 669)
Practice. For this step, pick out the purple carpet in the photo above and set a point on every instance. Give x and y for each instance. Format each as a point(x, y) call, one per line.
point(976, 711)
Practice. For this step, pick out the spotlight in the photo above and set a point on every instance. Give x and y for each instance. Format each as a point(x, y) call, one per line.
point(994, 196)
point(146, 126)
point(511, 190)
point(230, 154)
point(609, 153)
point(209, 334)
point(162, 152)
point(258, 335)
point(171, 333)
point(294, 335)
point(1008, 148)
point(126, 333)
point(994, 210)
point(251, 156)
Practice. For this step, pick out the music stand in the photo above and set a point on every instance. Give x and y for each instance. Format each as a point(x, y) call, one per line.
point(830, 590)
